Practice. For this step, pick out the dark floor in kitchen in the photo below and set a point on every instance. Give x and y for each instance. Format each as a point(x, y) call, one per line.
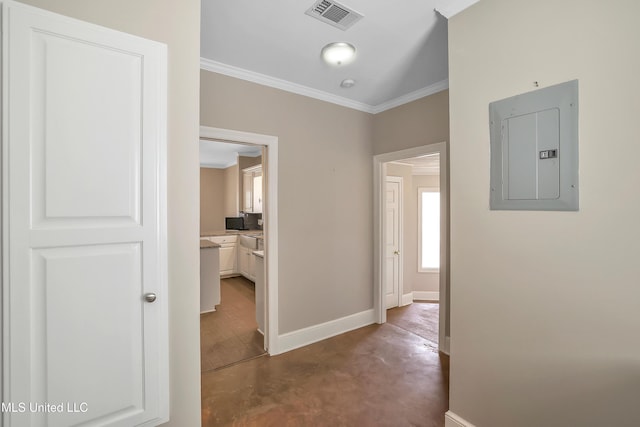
point(230, 334)
point(379, 375)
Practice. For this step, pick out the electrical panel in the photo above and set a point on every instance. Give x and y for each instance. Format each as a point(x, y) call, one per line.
point(534, 150)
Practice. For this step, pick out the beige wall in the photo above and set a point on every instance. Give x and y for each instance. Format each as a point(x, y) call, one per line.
point(212, 199)
point(178, 25)
point(247, 162)
point(418, 123)
point(545, 305)
point(231, 191)
point(324, 194)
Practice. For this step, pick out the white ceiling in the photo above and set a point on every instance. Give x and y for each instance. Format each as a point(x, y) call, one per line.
point(401, 49)
point(221, 155)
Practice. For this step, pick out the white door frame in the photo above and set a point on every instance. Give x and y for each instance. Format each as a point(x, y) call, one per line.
point(271, 219)
point(379, 239)
point(400, 181)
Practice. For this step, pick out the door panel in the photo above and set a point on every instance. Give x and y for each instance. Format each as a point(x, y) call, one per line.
point(102, 348)
point(63, 80)
point(84, 235)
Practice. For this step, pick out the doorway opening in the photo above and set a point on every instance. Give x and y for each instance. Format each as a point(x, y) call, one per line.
point(411, 212)
point(231, 197)
point(239, 200)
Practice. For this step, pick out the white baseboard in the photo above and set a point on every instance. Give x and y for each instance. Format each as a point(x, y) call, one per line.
point(453, 420)
point(407, 299)
point(426, 296)
point(306, 336)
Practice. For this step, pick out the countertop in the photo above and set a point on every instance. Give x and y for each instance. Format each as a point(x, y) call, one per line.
point(230, 233)
point(206, 244)
point(259, 253)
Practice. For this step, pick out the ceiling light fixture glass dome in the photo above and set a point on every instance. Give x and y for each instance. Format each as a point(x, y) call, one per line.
point(338, 53)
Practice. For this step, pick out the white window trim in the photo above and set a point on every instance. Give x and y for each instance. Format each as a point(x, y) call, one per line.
point(420, 191)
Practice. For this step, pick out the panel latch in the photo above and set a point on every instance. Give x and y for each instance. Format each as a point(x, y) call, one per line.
point(548, 154)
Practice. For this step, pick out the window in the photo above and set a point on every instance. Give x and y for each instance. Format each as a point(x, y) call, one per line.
point(429, 221)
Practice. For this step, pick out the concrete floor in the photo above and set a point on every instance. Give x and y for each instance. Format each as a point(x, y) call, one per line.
point(379, 375)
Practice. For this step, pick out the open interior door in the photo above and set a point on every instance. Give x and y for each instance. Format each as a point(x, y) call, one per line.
point(84, 281)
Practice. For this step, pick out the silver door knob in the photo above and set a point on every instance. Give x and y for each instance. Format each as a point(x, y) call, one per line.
point(396, 252)
point(150, 297)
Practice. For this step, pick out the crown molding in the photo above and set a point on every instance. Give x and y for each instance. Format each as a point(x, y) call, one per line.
point(417, 169)
point(449, 8)
point(263, 79)
point(210, 165)
point(415, 95)
point(426, 170)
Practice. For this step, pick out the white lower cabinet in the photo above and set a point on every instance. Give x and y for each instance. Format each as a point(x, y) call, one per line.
point(247, 263)
point(228, 253)
point(252, 266)
point(235, 258)
point(228, 260)
point(260, 293)
point(209, 279)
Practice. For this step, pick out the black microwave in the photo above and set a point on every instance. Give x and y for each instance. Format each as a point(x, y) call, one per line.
point(234, 223)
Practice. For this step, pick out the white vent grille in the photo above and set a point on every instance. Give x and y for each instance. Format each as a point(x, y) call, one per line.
point(334, 14)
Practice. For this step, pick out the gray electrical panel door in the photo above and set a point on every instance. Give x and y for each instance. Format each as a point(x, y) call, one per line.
point(534, 150)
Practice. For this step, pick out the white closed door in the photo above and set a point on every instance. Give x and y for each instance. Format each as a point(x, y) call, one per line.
point(393, 226)
point(84, 224)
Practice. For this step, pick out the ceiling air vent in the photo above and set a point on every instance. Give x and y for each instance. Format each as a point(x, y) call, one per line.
point(334, 14)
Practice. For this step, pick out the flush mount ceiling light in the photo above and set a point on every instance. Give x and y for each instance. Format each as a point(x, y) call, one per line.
point(338, 53)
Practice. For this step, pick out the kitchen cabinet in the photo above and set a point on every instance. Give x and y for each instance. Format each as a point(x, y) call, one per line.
point(243, 261)
point(252, 267)
point(252, 189)
point(258, 256)
point(247, 191)
point(227, 260)
point(209, 276)
point(228, 253)
point(247, 263)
